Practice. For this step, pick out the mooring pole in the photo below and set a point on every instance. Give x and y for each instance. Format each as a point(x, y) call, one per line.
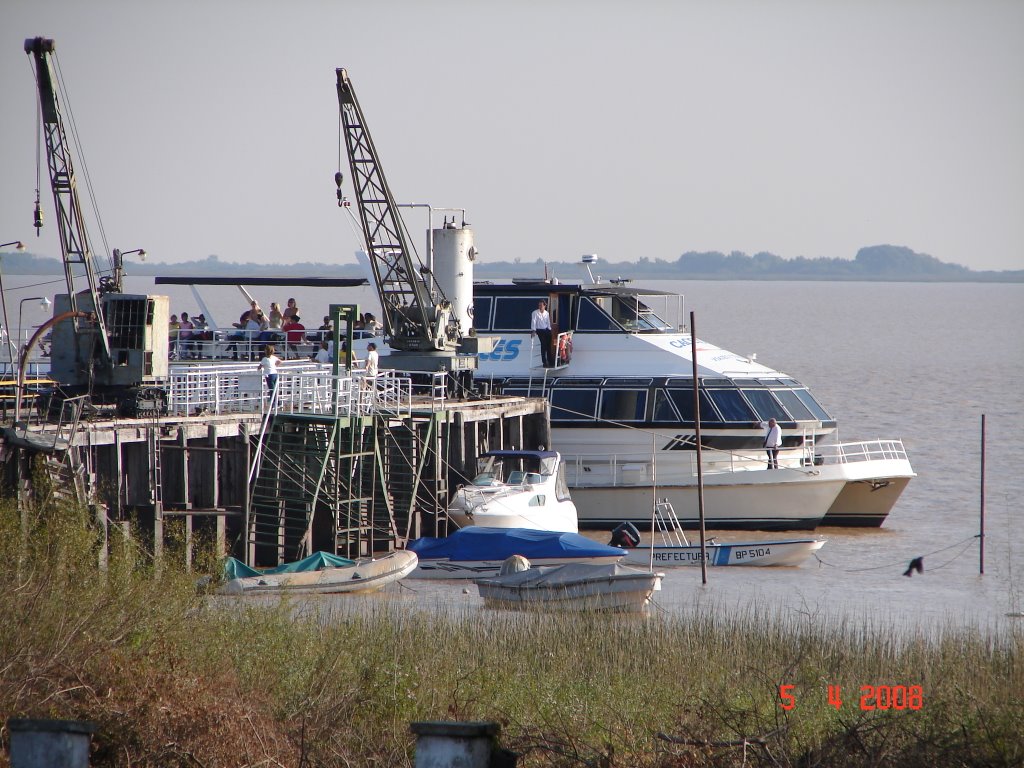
point(981, 534)
point(700, 467)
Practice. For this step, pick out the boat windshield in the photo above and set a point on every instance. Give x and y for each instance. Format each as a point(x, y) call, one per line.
point(632, 314)
point(514, 471)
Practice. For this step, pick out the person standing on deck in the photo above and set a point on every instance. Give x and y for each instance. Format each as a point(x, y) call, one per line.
point(772, 443)
point(540, 324)
point(268, 367)
point(372, 360)
point(291, 310)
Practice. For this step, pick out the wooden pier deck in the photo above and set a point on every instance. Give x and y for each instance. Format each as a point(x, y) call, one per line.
point(330, 464)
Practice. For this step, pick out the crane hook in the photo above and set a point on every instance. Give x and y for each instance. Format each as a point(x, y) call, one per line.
point(338, 178)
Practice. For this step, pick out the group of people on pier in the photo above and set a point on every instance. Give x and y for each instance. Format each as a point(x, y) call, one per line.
point(192, 338)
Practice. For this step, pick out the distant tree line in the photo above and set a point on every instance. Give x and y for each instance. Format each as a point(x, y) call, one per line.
point(876, 262)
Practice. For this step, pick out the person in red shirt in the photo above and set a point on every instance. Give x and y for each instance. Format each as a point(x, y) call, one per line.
point(295, 333)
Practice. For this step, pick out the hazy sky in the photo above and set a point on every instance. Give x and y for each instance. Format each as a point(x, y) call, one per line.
point(630, 130)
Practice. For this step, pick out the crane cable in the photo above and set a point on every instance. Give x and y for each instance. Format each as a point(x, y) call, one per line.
point(85, 168)
point(38, 213)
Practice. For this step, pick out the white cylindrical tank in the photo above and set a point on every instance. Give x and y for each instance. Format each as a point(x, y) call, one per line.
point(454, 254)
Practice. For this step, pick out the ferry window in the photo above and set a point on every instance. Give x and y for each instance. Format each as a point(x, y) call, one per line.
point(767, 407)
point(513, 313)
point(683, 399)
point(573, 404)
point(593, 318)
point(482, 313)
point(623, 382)
point(634, 315)
point(732, 405)
point(807, 399)
point(578, 381)
point(624, 404)
point(796, 409)
point(663, 408)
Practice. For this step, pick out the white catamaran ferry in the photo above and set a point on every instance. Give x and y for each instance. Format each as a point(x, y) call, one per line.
point(622, 416)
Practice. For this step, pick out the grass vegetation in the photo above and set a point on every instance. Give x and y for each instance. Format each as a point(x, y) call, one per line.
point(173, 678)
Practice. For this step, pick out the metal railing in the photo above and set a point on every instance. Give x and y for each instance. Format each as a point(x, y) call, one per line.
point(866, 450)
point(244, 344)
point(302, 387)
point(629, 469)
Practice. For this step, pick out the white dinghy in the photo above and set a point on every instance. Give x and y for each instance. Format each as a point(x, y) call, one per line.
point(573, 587)
point(319, 573)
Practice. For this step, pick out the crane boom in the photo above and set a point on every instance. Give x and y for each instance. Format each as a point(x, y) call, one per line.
point(74, 239)
point(412, 322)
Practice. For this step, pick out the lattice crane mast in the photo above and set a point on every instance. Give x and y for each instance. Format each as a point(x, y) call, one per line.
point(74, 239)
point(108, 344)
point(413, 323)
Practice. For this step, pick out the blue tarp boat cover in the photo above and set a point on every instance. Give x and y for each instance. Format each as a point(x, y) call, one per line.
point(480, 543)
point(236, 569)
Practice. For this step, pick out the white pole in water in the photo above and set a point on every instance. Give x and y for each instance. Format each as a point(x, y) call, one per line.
point(700, 467)
point(981, 535)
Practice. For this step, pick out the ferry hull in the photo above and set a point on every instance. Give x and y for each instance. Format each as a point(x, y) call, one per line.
point(871, 490)
point(865, 503)
point(760, 504)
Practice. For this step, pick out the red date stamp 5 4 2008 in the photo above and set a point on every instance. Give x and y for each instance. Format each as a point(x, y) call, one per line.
point(872, 697)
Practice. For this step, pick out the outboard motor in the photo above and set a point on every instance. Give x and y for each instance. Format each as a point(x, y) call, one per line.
point(625, 535)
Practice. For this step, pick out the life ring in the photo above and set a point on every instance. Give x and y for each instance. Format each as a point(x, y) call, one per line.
point(564, 349)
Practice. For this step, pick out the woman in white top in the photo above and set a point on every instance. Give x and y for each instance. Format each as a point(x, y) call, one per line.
point(276, 320)
point(268, 367)
point(372, 360)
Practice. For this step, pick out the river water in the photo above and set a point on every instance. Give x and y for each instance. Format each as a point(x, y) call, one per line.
point(918, 361)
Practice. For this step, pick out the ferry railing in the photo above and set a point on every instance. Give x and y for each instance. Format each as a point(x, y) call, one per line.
point(865, 450)
point(629, 469)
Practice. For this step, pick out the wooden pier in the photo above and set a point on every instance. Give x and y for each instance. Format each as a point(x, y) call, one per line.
point(350, 472)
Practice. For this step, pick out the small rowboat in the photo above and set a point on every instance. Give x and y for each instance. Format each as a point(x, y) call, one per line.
point(319, 573)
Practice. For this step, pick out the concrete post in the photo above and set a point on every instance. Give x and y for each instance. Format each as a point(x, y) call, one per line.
point(50, 743)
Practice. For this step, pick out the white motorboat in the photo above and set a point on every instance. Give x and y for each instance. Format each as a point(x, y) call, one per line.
point(573, 587)
point(319, 573)
point(517, 489)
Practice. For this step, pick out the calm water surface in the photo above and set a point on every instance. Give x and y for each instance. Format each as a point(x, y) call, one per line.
point(921, 362)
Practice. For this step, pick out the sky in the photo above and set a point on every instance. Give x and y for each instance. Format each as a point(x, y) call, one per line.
point(629, 130)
